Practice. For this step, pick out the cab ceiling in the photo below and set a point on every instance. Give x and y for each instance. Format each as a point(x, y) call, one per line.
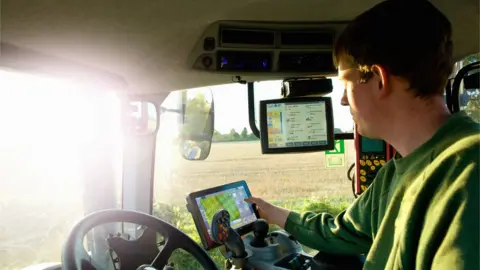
point(147, 42)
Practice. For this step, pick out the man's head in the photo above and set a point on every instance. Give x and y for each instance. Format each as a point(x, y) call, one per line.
point(396, 52)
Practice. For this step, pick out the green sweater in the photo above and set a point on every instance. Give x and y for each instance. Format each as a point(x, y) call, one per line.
point(421, 212)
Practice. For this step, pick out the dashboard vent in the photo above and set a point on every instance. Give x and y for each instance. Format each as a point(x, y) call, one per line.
point(307, 38)
point(306, 62)
point(231, 36)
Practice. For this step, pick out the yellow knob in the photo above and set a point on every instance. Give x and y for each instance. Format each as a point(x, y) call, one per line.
point(363, 187)
point(369, 163)
point(362, 162)
point(363, 172)
point(382, 162)
point(376, 162)
point(372, 168)
point(363, 178)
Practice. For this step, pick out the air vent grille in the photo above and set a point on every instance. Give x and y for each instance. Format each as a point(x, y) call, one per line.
point(247, 37)
point(306, 62)
point(306, 38)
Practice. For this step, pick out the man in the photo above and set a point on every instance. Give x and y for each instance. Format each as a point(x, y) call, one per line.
point(422, 210)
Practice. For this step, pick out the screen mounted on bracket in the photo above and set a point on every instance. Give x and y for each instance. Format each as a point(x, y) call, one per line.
point(294, 125)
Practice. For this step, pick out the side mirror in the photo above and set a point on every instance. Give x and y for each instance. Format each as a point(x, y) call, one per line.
point(196, 129)
point(142, 119)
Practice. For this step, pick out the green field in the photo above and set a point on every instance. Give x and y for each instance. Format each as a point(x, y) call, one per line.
point(272, 177)
point(221, 201)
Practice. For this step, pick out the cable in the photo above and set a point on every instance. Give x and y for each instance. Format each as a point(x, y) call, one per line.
point(351, 177)
point(238, 79)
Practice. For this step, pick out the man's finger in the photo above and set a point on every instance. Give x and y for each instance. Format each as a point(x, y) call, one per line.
point(251, 200)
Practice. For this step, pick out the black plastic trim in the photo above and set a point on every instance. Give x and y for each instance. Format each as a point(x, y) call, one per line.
point(251, 110)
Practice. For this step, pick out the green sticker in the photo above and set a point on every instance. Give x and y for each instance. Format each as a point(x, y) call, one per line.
point(339, 148)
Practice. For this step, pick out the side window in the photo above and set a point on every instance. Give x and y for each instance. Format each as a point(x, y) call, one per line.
point(50, 132)
point(469, 93)
point(471, 103)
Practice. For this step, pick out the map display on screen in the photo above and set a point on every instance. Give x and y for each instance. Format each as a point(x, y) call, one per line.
point(232, 200)
point(297, 124)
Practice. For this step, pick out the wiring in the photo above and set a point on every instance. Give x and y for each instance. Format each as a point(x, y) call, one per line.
point(351, 177)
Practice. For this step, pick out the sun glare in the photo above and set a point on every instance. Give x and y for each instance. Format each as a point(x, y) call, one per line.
point(46, 122)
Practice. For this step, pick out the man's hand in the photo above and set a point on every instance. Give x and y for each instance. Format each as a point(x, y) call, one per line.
point(273, 214)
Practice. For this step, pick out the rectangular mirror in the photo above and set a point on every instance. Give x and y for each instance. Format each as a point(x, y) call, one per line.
point(196, 131)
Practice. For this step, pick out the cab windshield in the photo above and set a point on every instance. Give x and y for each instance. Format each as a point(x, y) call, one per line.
point(302, 181)
point(46, 125)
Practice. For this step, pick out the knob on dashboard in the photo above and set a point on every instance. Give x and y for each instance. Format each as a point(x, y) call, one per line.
point(207, 61)
point(260, 231)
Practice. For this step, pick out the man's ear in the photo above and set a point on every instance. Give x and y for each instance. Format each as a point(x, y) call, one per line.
point(383, 82)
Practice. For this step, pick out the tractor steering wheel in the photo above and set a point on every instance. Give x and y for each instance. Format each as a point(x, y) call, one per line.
point(74, 256)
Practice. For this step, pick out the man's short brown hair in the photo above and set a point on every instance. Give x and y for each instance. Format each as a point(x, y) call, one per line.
point(409, 38)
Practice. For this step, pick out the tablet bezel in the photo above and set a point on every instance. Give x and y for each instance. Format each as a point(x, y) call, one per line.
point(264, 128)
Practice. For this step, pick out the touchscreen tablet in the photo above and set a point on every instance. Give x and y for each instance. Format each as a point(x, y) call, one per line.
point(205, 203)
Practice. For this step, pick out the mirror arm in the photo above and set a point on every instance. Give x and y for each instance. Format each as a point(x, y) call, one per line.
point(184, 106)
point(251, 109)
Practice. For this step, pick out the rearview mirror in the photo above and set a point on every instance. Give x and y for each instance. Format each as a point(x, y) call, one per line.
point(196, 130)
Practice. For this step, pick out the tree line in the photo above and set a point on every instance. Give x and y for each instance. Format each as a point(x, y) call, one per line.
point(234, 136)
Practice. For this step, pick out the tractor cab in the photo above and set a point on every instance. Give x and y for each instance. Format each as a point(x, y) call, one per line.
point(133, 131)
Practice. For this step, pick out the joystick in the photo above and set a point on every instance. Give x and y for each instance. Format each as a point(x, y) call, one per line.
point(222, 233)
point(260, 232)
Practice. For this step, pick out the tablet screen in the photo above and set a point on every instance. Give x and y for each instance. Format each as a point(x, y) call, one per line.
point(294, 125)
point(300, 124)
point(232, 200)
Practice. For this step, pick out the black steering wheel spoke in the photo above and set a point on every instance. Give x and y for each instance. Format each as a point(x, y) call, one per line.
point(162, 258)
point(85, 261)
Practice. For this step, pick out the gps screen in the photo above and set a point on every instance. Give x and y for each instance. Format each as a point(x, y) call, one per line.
point(372, 145)
point(299, 124)
point(232, 200)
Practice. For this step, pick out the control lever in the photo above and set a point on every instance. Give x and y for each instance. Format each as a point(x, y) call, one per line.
point(222, 233)
point(260, 232)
